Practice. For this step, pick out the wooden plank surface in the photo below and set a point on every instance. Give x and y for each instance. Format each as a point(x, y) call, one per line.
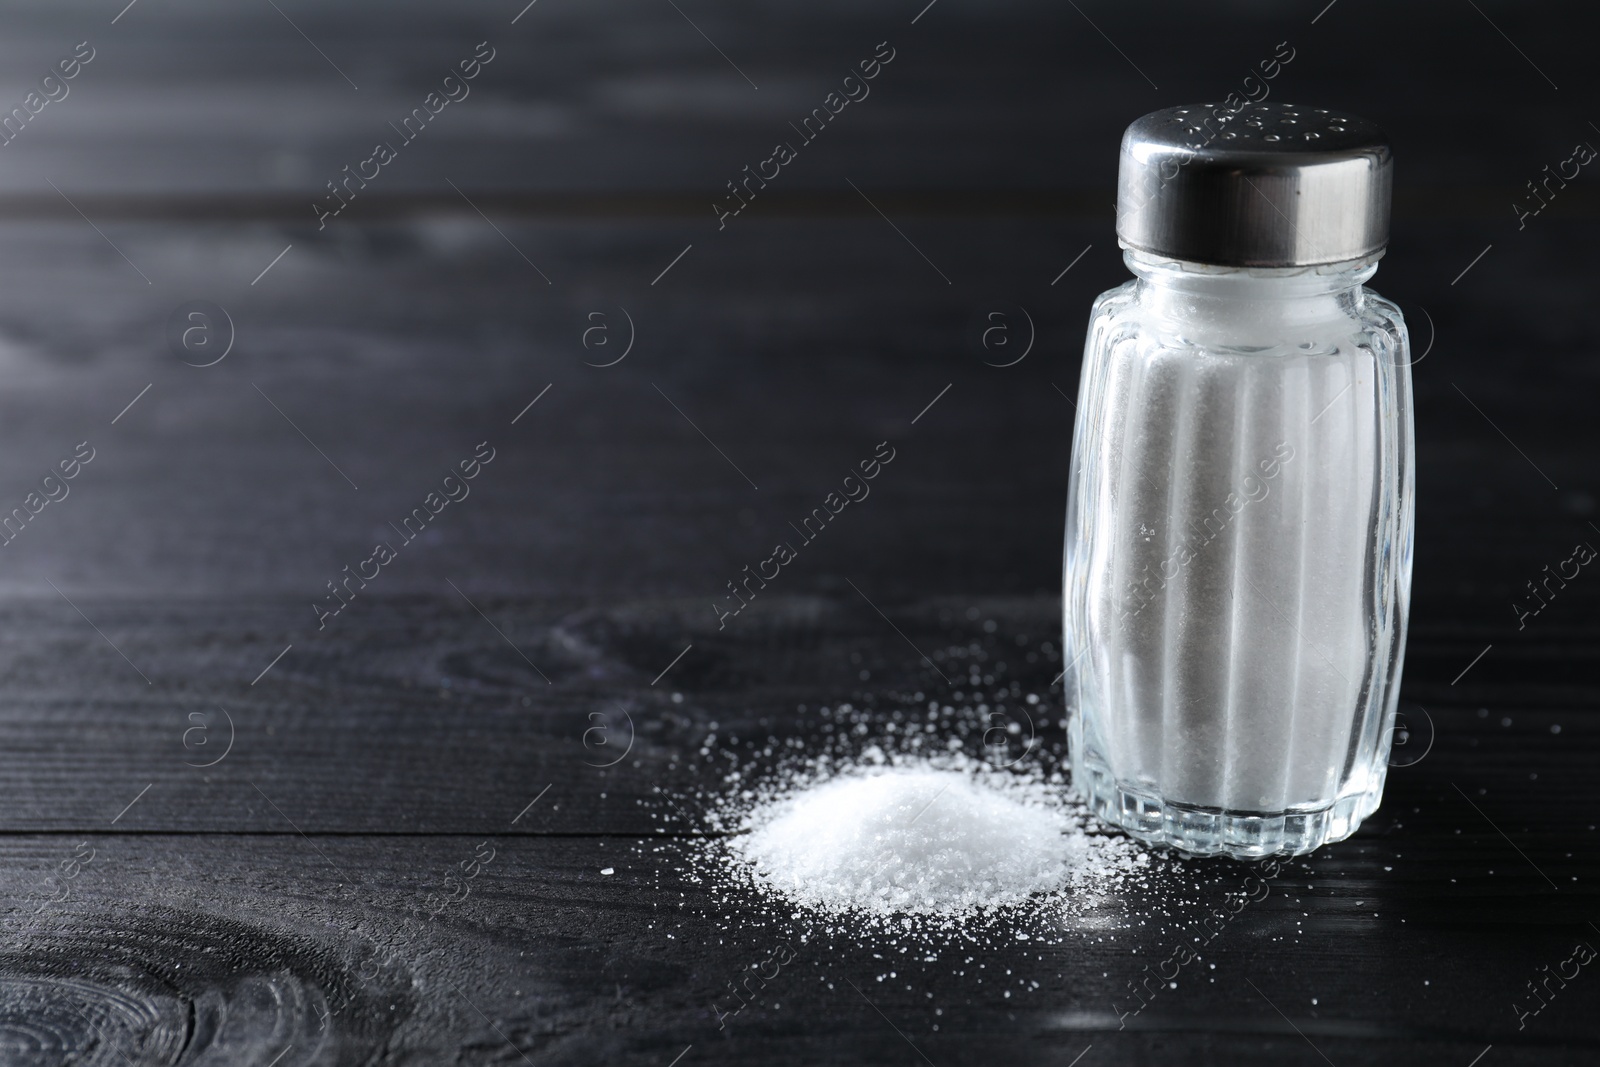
point(619, 95)
point(273, 908)
point(267, 934)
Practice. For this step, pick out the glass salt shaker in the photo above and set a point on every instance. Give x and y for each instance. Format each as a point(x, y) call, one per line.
point(1239, 525)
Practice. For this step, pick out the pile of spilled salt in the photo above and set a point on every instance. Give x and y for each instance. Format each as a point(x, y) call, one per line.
point(917, 839)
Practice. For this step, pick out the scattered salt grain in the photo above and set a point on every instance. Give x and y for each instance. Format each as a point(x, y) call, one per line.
point(911, 839)
point(907, 823)
point(608, 870)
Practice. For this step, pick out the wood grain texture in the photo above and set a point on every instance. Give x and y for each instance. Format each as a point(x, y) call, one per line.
point(422, 719)
point(277, 907)
point(622, 96)
point(194, 949)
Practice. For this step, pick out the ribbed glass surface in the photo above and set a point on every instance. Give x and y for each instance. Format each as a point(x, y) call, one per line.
point(1238, 555)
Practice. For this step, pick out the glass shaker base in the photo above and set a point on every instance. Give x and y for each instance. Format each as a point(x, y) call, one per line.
point(1203, 831)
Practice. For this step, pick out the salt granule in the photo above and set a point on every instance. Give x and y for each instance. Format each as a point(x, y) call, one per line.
point(913, 839)
point(885, 825)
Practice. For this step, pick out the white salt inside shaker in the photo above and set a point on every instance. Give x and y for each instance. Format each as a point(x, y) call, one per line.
point(1238, 552)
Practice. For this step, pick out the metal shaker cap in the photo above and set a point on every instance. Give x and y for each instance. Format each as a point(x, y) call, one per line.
point(1266, 185)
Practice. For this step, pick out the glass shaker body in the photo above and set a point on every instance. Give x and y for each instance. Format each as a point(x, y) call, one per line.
point(1238, 554)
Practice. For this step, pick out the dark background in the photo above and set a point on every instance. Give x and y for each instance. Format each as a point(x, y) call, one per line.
point(219, 916)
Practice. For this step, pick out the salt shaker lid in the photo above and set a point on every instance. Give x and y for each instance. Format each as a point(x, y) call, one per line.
point(1263, 185)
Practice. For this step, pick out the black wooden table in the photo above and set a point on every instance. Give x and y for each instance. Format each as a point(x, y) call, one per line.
point(233, 798)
